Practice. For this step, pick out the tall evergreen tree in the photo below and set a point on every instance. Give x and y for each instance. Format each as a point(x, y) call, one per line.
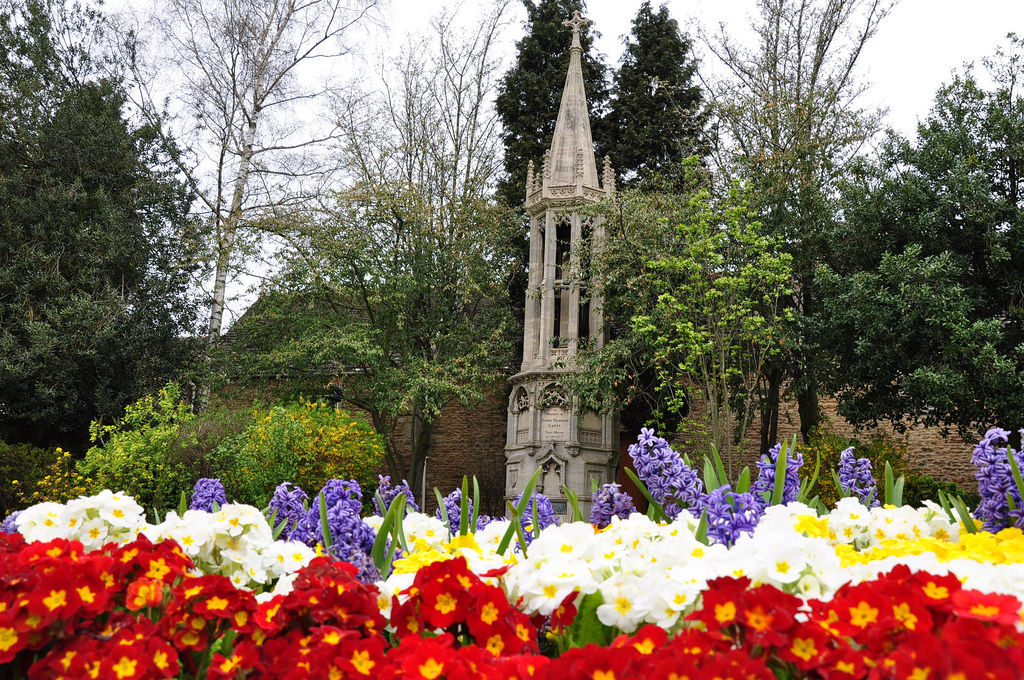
point(94, 297)
point(531, 91)
point(657, 116)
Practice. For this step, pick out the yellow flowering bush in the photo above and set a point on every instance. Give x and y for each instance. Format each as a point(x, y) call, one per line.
point(60, 484)
point(131, 455)
point(307, 444)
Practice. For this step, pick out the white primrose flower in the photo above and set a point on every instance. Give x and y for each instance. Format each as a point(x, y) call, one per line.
point(41, 522)
point(426, 528)
point(622, 608)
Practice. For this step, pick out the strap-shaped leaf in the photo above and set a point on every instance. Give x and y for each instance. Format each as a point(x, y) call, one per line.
point(840, 491)
point(464, 507)
point(743, 483)
point(379, 553)
point(897, 491)
point(325, 528)
point(659, 512)
point(444, 512)
point(701, 534)
point(517, 512)
point(519, 530)
point(719, 466)
point(476, 505)
point(536, 520)
point(1017, 479)
point(890, 485)
point(182, 505)
point(805, 491)
point(780, 474)
point(574, 504)
point(944, 502)
point(965, 516)
point(711, 480)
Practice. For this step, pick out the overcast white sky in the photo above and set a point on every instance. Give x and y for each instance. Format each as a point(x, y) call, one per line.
point(916, 49)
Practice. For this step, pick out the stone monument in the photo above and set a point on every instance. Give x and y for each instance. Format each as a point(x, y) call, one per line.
point(546, 429)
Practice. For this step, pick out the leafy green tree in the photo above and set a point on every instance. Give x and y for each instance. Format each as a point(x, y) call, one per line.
point(94, 297)
point(791, 107)
point(657, 117)
point(922, 309)
point(531, 91)
point(693, 288)
point(399, 287)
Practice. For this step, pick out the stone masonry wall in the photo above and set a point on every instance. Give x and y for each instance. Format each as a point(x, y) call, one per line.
point(944, 458)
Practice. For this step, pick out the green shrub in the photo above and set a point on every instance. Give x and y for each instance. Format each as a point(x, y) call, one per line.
point(23, 466)
point(921, 487)
point(305, 443)
point(132, 455)
point(827, 445)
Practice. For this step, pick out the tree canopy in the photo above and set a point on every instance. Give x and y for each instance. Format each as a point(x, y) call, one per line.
point(657, 116)
point(921, 317)
point(94, 298)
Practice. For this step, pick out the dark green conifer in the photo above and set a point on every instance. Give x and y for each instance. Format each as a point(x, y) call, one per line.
point(657, 116)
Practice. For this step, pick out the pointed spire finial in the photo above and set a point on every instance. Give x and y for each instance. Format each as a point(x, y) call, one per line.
point(576, 23)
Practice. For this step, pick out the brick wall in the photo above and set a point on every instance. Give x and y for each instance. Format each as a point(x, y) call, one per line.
point(945, 458)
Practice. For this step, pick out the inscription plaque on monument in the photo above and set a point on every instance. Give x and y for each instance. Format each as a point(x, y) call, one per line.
point(554, 424)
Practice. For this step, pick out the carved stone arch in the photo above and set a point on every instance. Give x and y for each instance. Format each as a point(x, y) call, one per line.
point(520, 400)
point(554, 395)
point(553, 476)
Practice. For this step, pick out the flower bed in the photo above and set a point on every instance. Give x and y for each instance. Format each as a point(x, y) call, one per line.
point(761, 590)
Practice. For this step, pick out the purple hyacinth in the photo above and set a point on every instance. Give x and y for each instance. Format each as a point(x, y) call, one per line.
point(672, 483)
point(207, 492)
point(289, 503)
point(730, 514)
point(545, 514)
point(10, 525)
point(453, 506)
point(856, 479)
point(336, 492)
point(388, 493)
point(765, 483)
point(610, 502)
point(995, 481)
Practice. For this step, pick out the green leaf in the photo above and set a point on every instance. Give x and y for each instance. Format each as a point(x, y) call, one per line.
point(659, 512)
point(897, 491)
point(1017, 479)
point(325, 528)
point(444, 511)
point(944, 502)
point(890, 485)
point(780, 475)
point(517, 512)
point(379, 553)
point(743, 483)
point(711, 480)
point(464, 507)
point(839, 485)
point(518, 526)
point(719, 467)
point(156, 515)
point(965, 515)
point(476, 505)
point(701, 533)
point(182, 505)
point(574, 503)
point(805, 491)
point(586, 628)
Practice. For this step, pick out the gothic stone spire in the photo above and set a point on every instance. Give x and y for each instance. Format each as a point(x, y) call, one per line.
point(572, 128)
